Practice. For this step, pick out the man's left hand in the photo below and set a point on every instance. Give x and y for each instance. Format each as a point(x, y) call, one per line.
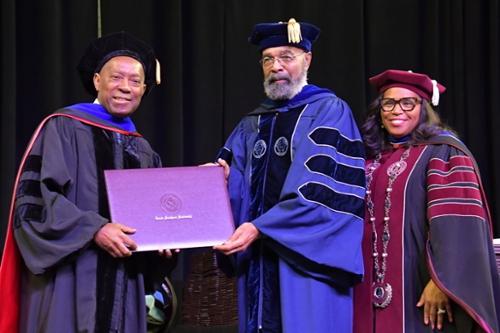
point(223, 164)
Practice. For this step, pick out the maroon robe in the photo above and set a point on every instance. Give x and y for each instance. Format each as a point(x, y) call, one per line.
point(440, 228)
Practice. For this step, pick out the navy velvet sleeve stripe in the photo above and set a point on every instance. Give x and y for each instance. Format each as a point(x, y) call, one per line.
point(29, 187)
point(327, 166)
point(33, 163)
point(327, 197)
point(326, 136)
point(28, 212)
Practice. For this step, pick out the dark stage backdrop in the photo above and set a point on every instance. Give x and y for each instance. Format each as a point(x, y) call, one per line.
point(211, 76)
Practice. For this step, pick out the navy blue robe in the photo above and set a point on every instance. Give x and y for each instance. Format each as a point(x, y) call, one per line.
point(297, 173)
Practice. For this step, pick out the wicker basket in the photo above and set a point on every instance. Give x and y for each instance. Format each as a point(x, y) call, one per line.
point(209, 296)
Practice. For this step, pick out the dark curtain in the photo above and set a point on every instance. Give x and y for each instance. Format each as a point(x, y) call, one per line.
point(211, 76)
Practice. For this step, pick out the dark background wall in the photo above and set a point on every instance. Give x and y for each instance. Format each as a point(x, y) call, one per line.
point(211, 76)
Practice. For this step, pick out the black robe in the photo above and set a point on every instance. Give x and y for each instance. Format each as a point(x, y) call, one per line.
point(69, 284)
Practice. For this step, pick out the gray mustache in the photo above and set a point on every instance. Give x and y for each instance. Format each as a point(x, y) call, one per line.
point(276, 77)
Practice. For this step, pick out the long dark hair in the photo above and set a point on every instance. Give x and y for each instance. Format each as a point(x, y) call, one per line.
point(375, 136)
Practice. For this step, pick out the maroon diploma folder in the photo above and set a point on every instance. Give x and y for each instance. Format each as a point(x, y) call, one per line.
point(171, 208)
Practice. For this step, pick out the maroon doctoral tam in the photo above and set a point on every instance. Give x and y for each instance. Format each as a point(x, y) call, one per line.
point(421, 84)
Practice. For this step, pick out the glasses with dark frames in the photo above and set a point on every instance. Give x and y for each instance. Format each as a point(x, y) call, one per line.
point(406, 103)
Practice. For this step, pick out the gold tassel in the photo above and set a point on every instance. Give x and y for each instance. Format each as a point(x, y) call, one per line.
point(294, 35)
point(158, 72)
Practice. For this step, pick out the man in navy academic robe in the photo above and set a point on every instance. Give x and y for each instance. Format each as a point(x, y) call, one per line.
point(297, 187)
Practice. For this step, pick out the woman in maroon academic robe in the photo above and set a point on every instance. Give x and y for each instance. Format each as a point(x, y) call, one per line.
point(429, 261)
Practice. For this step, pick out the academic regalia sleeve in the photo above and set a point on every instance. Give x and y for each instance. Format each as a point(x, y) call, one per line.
point(237, 153)
point(49, 227)
point(317, 225)
point(459, 249)
point(234, 153)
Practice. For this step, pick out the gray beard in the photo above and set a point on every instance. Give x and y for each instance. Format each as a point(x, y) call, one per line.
point(286, 90)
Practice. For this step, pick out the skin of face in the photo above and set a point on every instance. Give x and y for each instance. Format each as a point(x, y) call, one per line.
point(285, 72)
point(397, 122)
point(120, 85)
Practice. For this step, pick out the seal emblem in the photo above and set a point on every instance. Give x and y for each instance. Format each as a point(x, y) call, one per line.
point(170, 202)
point(259, 149)
point(281, 146)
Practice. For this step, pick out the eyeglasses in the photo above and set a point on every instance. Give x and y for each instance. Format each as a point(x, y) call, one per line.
point(406, 103)
point(282, 59)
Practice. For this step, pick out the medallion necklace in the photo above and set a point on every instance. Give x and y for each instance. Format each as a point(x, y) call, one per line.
point(382, 291)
